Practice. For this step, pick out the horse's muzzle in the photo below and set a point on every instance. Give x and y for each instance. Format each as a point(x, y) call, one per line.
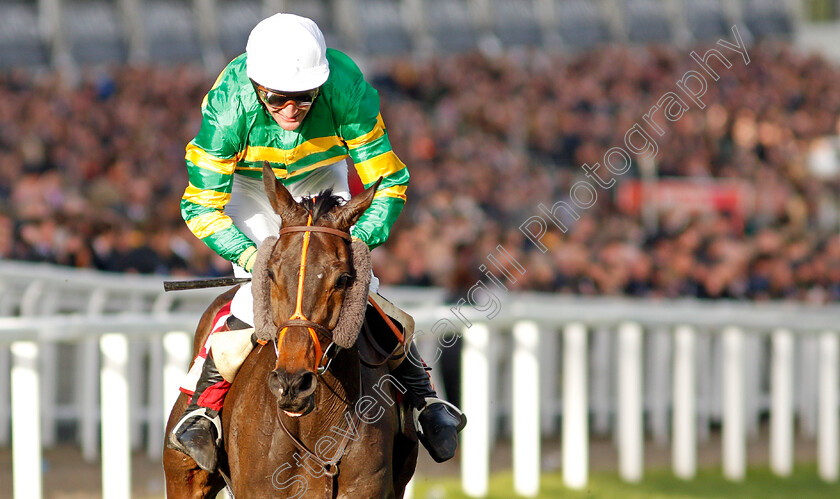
point(295, 392)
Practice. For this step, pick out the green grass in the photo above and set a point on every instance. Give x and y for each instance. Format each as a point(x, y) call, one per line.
point(760, 483)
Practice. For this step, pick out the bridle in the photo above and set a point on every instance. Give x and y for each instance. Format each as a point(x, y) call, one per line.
point(324, 356)
point(298, 319)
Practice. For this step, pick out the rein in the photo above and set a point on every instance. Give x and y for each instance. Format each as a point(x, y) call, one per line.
point(330, 467)
point(298, 319)
point(324, 356)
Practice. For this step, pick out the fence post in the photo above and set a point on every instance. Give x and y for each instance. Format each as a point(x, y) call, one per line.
point(658, 385)
point(89, 399)
point(630, 409)
point(704, 387)
point(601, 381)
point(177, 348)
point(154, 437)
point(807, 386)
point(734, 435)
point(48, 354)
point(781, 403)
point(137, 384)
point(526, 409)
point(752, 383)
point(827, 430)
point(475, 392)
point(116, 441)
point(26, 421)
point(684, 445)
point(5, 395)
point(575, 407)
point(549, 397)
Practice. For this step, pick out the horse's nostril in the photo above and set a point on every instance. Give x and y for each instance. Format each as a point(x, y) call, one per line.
point(288, 386)
point(306, 382)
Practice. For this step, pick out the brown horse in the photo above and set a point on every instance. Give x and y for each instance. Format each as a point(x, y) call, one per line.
point(303, 419)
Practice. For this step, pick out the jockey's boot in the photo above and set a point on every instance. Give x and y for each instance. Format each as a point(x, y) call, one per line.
point(198, 433)
point(437, 421)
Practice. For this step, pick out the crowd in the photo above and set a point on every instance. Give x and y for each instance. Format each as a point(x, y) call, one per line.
point(91, 173)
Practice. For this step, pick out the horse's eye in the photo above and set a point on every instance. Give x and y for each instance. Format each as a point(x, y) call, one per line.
point(343, 280)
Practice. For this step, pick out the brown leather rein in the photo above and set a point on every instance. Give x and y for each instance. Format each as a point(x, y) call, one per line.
point(324, 356)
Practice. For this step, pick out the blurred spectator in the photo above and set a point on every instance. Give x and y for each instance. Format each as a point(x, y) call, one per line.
point(92, 176)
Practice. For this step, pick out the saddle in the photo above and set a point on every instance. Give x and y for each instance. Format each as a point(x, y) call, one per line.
point(385, 330)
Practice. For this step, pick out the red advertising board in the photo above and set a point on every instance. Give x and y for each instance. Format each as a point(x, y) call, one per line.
point(695, 195)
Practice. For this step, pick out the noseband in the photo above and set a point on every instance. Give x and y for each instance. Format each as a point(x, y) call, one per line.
point(324, 356)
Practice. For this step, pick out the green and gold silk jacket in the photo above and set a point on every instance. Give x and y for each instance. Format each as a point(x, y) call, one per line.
point(237, 134)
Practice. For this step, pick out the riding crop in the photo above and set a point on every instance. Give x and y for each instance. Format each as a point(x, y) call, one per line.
point(213, 282)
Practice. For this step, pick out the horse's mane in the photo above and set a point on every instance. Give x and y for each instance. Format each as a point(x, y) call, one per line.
point(321, 203)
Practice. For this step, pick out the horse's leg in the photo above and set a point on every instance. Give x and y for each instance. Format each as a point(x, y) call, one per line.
point(406, 447)
point(184, 479)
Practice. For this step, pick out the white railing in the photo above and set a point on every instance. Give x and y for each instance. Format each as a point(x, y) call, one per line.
point(710, 351)
point(604, 362)
point(113, 335)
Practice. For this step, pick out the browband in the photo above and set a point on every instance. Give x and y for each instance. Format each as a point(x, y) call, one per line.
point(315, 228)
point(306, 323)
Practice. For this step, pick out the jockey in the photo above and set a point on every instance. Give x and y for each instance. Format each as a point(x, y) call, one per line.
point(305, 109)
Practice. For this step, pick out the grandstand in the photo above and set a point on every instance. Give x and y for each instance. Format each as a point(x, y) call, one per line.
point(67, 32)
point(494, 105)
point(588, 71)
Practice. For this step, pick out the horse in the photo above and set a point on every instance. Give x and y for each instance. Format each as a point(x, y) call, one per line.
point(300, 419)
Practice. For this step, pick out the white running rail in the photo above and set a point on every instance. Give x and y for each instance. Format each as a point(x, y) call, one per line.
point(665, 370)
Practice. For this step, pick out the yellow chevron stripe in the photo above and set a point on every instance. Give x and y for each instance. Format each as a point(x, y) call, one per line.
point(209, 224)
point(203, 159)
point(208, 198)
point(281, 173)
point(397, 191)
point(285, 156)
point(378, 131)
point(379, 166)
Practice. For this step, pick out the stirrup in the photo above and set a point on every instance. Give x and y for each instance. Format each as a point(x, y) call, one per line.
point(201, 412)
point(450, 408)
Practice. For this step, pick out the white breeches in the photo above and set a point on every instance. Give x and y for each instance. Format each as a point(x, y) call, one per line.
point(252, 213)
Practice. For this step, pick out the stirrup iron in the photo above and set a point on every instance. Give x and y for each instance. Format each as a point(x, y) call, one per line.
point(202, 412)
point(450, 408)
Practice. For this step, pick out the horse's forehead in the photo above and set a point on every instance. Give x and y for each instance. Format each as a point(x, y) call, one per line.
point(323, 250)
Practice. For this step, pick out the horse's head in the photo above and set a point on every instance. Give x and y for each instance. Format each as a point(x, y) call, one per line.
point(304, 281)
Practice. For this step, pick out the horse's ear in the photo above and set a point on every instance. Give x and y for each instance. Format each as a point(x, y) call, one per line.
point(347, 215)
point(279, 197)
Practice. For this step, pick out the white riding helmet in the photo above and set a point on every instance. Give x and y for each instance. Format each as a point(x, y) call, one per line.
point(287, 53)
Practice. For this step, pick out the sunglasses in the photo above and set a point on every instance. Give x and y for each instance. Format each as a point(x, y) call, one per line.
point(274, 98)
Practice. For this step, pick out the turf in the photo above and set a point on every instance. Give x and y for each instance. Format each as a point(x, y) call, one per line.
point(759, 483)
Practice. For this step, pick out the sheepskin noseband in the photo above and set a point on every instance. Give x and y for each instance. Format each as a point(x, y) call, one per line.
point(352, 309)
point(355, 299)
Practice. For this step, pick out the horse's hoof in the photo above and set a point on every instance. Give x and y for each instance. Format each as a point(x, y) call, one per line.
point(439, 431)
